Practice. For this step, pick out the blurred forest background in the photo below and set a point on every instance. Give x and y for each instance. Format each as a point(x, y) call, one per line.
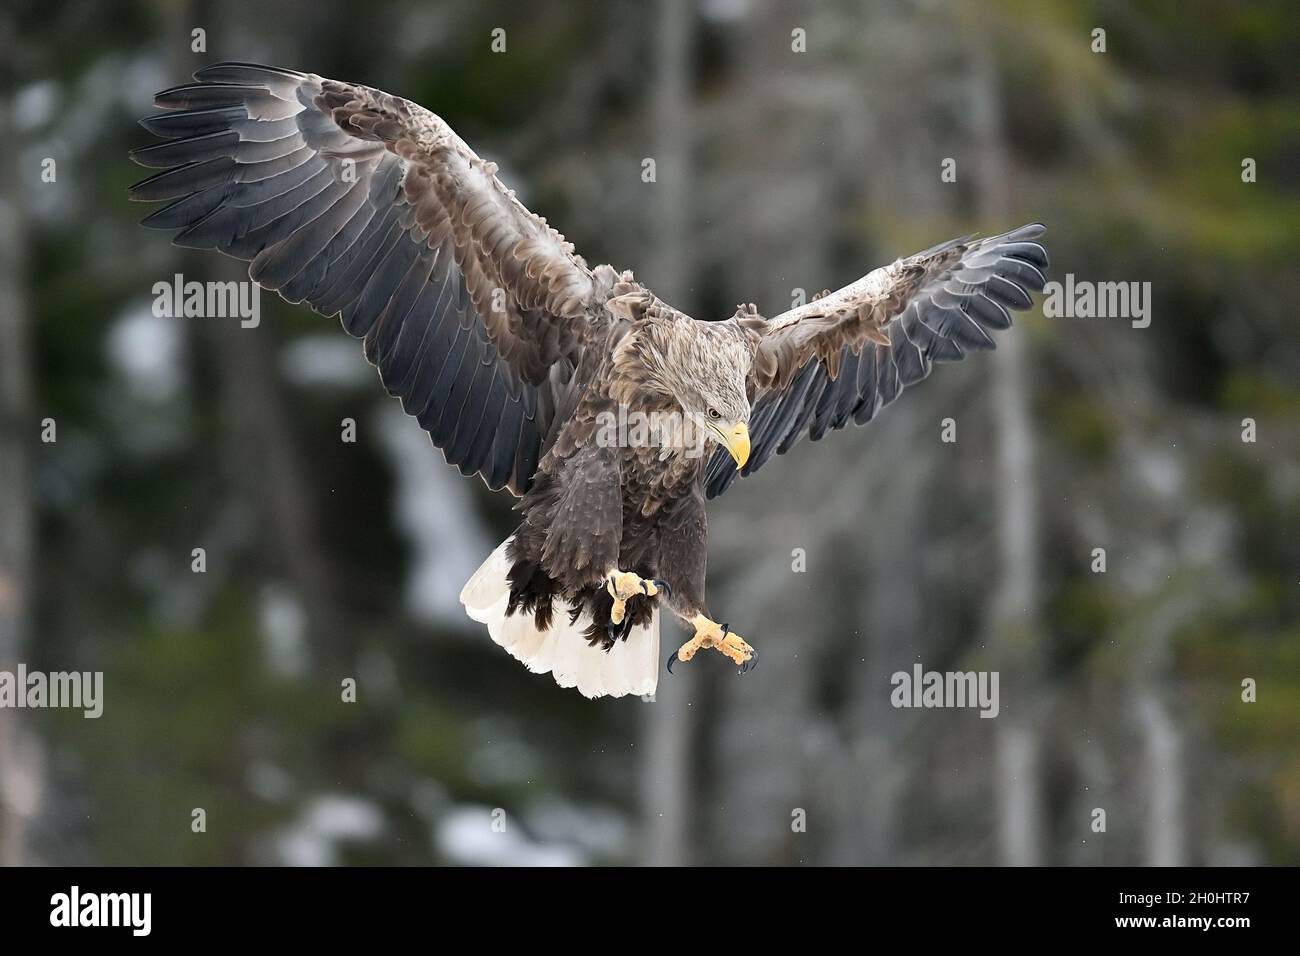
point(776, 170)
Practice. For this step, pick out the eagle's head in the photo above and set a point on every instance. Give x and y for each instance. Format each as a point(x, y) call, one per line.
point(709, 383)
point(699, 369)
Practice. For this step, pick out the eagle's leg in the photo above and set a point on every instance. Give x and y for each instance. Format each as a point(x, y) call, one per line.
point(720, 637)
point(623, 585)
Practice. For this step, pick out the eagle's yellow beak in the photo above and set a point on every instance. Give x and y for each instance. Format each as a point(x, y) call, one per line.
point(736, 438)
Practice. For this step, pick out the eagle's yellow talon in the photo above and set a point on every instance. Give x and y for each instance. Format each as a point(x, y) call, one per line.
point(623, 585)
point(735, 647)
point(718, 636)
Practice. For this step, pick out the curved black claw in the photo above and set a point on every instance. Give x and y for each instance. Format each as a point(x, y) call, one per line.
point(661, 585)
point(671, 657)
point(750, 664)
point(612, 629)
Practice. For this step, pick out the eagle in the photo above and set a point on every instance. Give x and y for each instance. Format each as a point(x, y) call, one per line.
point(610, 415)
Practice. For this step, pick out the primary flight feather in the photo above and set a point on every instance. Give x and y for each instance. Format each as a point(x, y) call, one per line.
point(612, 415)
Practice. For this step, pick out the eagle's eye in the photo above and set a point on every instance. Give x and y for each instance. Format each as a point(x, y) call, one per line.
point(714, 414)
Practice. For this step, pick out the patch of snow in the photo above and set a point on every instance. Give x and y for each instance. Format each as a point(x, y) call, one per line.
point(466, 835)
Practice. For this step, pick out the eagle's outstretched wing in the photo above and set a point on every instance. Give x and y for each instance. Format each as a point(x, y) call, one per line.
point(846, 355)
point(369, 206)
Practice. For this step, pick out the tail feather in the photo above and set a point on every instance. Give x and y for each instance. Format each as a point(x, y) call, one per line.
point(547, 642)
point(631, 666)
point(612, 668)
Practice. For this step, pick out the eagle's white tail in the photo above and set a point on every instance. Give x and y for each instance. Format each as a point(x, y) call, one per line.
point(629, 667)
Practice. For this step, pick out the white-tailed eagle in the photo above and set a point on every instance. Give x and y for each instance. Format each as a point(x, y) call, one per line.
point(610, 414)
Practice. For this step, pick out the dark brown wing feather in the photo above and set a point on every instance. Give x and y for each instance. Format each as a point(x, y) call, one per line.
point(367, 206)
point(825, 363)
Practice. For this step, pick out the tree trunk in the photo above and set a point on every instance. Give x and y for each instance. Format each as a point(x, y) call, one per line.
point(1164, 759)
point(21, 765)
point(1013, 614)
point(666, 777)
point(258, 449)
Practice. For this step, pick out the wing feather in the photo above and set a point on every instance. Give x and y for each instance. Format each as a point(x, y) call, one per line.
point(366, 206)
point(826, 363)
